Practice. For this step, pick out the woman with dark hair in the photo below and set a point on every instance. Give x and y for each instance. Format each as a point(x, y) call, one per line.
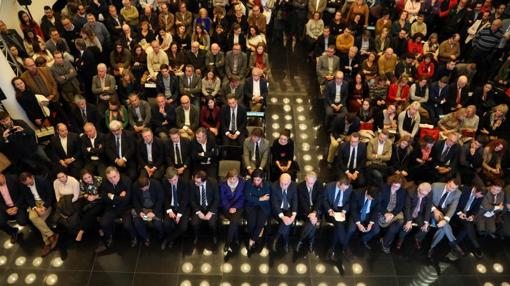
point(211, 84)
point(426, 68)
point(182, 38)
point(29, 38)
point(201, 36)
point(401, 156)
point(90, 38)
point(257, 207)
point(116, 111)
point(28, 101)
point(260, 59)
point(366, 116)
point(210, 116)
point(120, 58)
point(126, 85)
point(26, 23)
point(254, 38)
point(369, 67)
point(415, 44)
point(422, 168)
point(91, 200)
point(358, 90)
point(139, 66)
point(492, 157)
point(232, 204)
point(175, 59)
point(282, 156)
point(41, 51)
point(165, 39)
point(146, 33)
point(470, 162)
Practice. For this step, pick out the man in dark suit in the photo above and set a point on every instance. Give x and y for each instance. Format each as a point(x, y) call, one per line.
point(445, 199)
point(205, 199)
point(148, 207)
point(204, 153)
point(215, 59)
point(445, 157)
point(457, 96)
point(66, 151)
point(353, 155)
point(233, 122)
point(116, 192)
point(465, 216)
point(310, 196)
point(176, 191)
point(366, 37)
point(337, 203)
point(39, 197)
point(11, 206)
point(120, 149)
point(86, 66)
point(196, 58)
point(186, 116)
point(167, 84)
point(364, 214)
point(92, 148)
point(284, 202)
point(114, 22)
point(151, 155)
point(50, 20)
point(335, 97)
point(339, 130)
point(255, 90)
point(350, 63)
point(417, 213)
point(12, 38)
point(70, 33)
point(162, 117)
point(323, 41)
point(437, 97)
point(84, 112)
point(179, 154)
point(233, 86)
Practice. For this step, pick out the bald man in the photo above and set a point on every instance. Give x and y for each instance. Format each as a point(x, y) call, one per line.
point(215, 59)
point(457, 96)
point(66, 151)
point(284, 201)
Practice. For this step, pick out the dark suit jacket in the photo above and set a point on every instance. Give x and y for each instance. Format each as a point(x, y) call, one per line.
point(193, 117)
point(241, 119)
point(195, 89)
point(329, 198)
point(197, 61)
point(97, 150)
point(248, 89)
point(86, 64)
point(357, 202)
point(304, 206)
point(14, 192)
point(18, 144)
point(117, 202)
point(73, 147)
point(183, 196)
point(452, 96)
point(452, 156)
point(157, 118)
point(425, 206)
point(212, 194)
point(111, 24)
point(434, 96)
point(212, 152)
point(330, 93)
point(361, 156)
point(384, 199)
point(319, 48)
point(44, 189)
point(371, 43)
point(337, 127)
point(174, 86)
point(185, 147)
point(355, 65)
point(92, 116)
point(277, 197)
point(158, 154)
point(156, 192)
point(128, 147)
point(464, 198)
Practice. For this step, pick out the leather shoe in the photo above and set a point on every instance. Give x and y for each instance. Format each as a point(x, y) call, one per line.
point(418, 243)
point(331, 254)
point(46, 250)
point(275, 244)
point(385, 249)
point(15, 236)
point(477, 252)
point(299, 246)
point(134, 242)
point(459, 250)
point(54, 240)
point(366, 245)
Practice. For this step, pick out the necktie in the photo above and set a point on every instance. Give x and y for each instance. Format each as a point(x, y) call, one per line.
point(442, 200)
point(84, 115)
point(233, 121)
point(351, 159)
point(338, 201)
point(310, 197)
point(203, 199)
point(178, 154)
point(285, 200)
point(117, 143)
point(470, 201)
point(189, 82)
point(174, 196)
point(495, 199)
point(257, 155)
point(445, 152)
point(416, 210)
point(364, 209)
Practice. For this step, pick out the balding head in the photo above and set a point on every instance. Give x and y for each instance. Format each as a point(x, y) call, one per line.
point(285, 181)
point(462, 81)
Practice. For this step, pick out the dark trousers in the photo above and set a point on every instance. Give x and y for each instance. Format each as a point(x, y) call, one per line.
point(233, 228)
point(89, 214)
point(97, 167)
point(256, 218)
point(212, 223)
point(308, 231)
point(283, 229)
point(339, 233)
point(108, 220)
point(173, 229)
point(391, 231)
point(21, 218)
point(365, 237)
point(420, 235)
point(466, 229)
point(141, 226)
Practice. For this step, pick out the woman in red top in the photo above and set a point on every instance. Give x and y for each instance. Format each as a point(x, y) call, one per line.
point(426, 68)
point(415, 45)
point(210, 116)
point(399, 91)
point(25, 23)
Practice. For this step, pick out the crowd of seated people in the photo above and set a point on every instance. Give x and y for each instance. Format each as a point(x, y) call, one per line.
point(131, 106)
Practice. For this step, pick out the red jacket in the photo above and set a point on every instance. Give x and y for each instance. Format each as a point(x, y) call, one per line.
point(425, 70)
point(392, 93)
point(414, 47)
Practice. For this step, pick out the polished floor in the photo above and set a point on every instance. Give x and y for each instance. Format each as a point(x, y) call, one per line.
point(291, 105)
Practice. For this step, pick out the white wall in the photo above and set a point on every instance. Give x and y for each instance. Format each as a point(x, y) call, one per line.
point(9, 11)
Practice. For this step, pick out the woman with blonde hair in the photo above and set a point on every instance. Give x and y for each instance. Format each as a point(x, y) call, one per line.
point(493, 124)
point(409, 120)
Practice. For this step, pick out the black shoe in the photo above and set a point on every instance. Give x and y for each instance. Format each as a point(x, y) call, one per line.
point(299, 246)
point(164, 244)
point(477, 252)
point(134, 242)
point(331, 254)
point(275, 244)
point(226, 247)
point(385, 249)
point(458, 250)
point(366, 245)
point(15, 236)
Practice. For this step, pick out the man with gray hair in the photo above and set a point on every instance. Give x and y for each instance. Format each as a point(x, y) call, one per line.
point(120, 149)
point(103, 87)
point(310, 195)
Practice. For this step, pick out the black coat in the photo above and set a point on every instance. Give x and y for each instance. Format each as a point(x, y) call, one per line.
point(44, 189)
point(304, 207)
point(158, 154)
point(277, 197)
point(156, 192)
point(212, 194)
point(118, 202)
point(185, 146)
point(73, 147)
point(183, 196)
point(96, 150)
point(128, 147)
point(15, 193)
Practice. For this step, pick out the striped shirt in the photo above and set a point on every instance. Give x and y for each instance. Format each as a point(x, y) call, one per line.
point(487, 40)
